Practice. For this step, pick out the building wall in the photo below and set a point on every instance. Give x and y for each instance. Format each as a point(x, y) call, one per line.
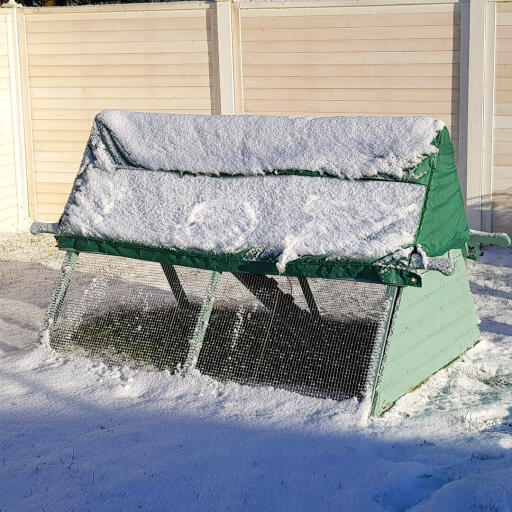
point(502, 133)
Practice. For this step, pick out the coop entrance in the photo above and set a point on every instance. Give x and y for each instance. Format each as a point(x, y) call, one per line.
point(319, 337)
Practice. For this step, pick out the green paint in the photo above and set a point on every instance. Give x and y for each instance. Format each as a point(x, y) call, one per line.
point(52, 313)
point(442, 227)
point(433, 326)
point(389, 306)
point(202, 323)
point(443, 223)
point(247, 263)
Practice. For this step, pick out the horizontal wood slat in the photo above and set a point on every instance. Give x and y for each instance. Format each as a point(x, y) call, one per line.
point(351, 46)
point(172, 34)
point(380, 94)
point(504, 7)
point(48, 217)
point(172, 50)
point(368, 60)
point(426, 71)
point(375, 57)
point(54, 188)
point(79, 93)
point(347, 34)
point(355, 107)
point(56, 172)
point(310, 20)
point(504, 19)
point(502, 172)
point(128, 81)
point(53, 199)
point(503, 186)
point(113, 102)
point(121, 70)
point(105, 21)
point(109, 58)
point(83, 114)
point(349, 82)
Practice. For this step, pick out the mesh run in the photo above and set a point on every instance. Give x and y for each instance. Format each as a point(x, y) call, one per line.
point(126, 311)
point(316, 336)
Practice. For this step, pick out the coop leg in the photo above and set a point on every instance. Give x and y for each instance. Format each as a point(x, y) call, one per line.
point(310, 299)
point(175, 284)
point(196, 341)
point(392, 298)
point(52, 313)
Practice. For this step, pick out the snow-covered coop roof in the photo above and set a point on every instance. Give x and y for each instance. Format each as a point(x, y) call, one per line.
point(339, 197)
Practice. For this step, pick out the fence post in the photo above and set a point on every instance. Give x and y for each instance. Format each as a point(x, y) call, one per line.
point(487, 172)
point(228, 50)
point(463, 98)
point(17, 113)
point(237, 57)
point(480, 84)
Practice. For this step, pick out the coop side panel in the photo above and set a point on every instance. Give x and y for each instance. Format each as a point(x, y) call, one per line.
point(433, 325)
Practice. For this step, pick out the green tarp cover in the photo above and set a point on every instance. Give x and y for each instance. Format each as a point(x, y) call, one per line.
point(442, 226)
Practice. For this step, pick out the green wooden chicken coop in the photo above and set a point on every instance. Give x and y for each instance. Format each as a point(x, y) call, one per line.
point(320, 255)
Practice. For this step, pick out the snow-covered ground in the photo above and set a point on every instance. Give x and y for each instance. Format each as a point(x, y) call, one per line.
point(76, 435)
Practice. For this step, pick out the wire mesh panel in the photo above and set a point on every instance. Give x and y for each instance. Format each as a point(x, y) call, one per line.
point(131, 311)
point(315, 336)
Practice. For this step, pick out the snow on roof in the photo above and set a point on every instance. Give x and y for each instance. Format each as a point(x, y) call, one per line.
point(349, 147)
point(279, 217)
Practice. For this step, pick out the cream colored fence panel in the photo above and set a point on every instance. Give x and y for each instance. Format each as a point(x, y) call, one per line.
point(83, 60)
point(8, 187)
point(388, 60)
point(502, 146)
point(354, 58)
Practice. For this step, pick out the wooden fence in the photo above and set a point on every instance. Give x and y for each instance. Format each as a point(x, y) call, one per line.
point(340, 57)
